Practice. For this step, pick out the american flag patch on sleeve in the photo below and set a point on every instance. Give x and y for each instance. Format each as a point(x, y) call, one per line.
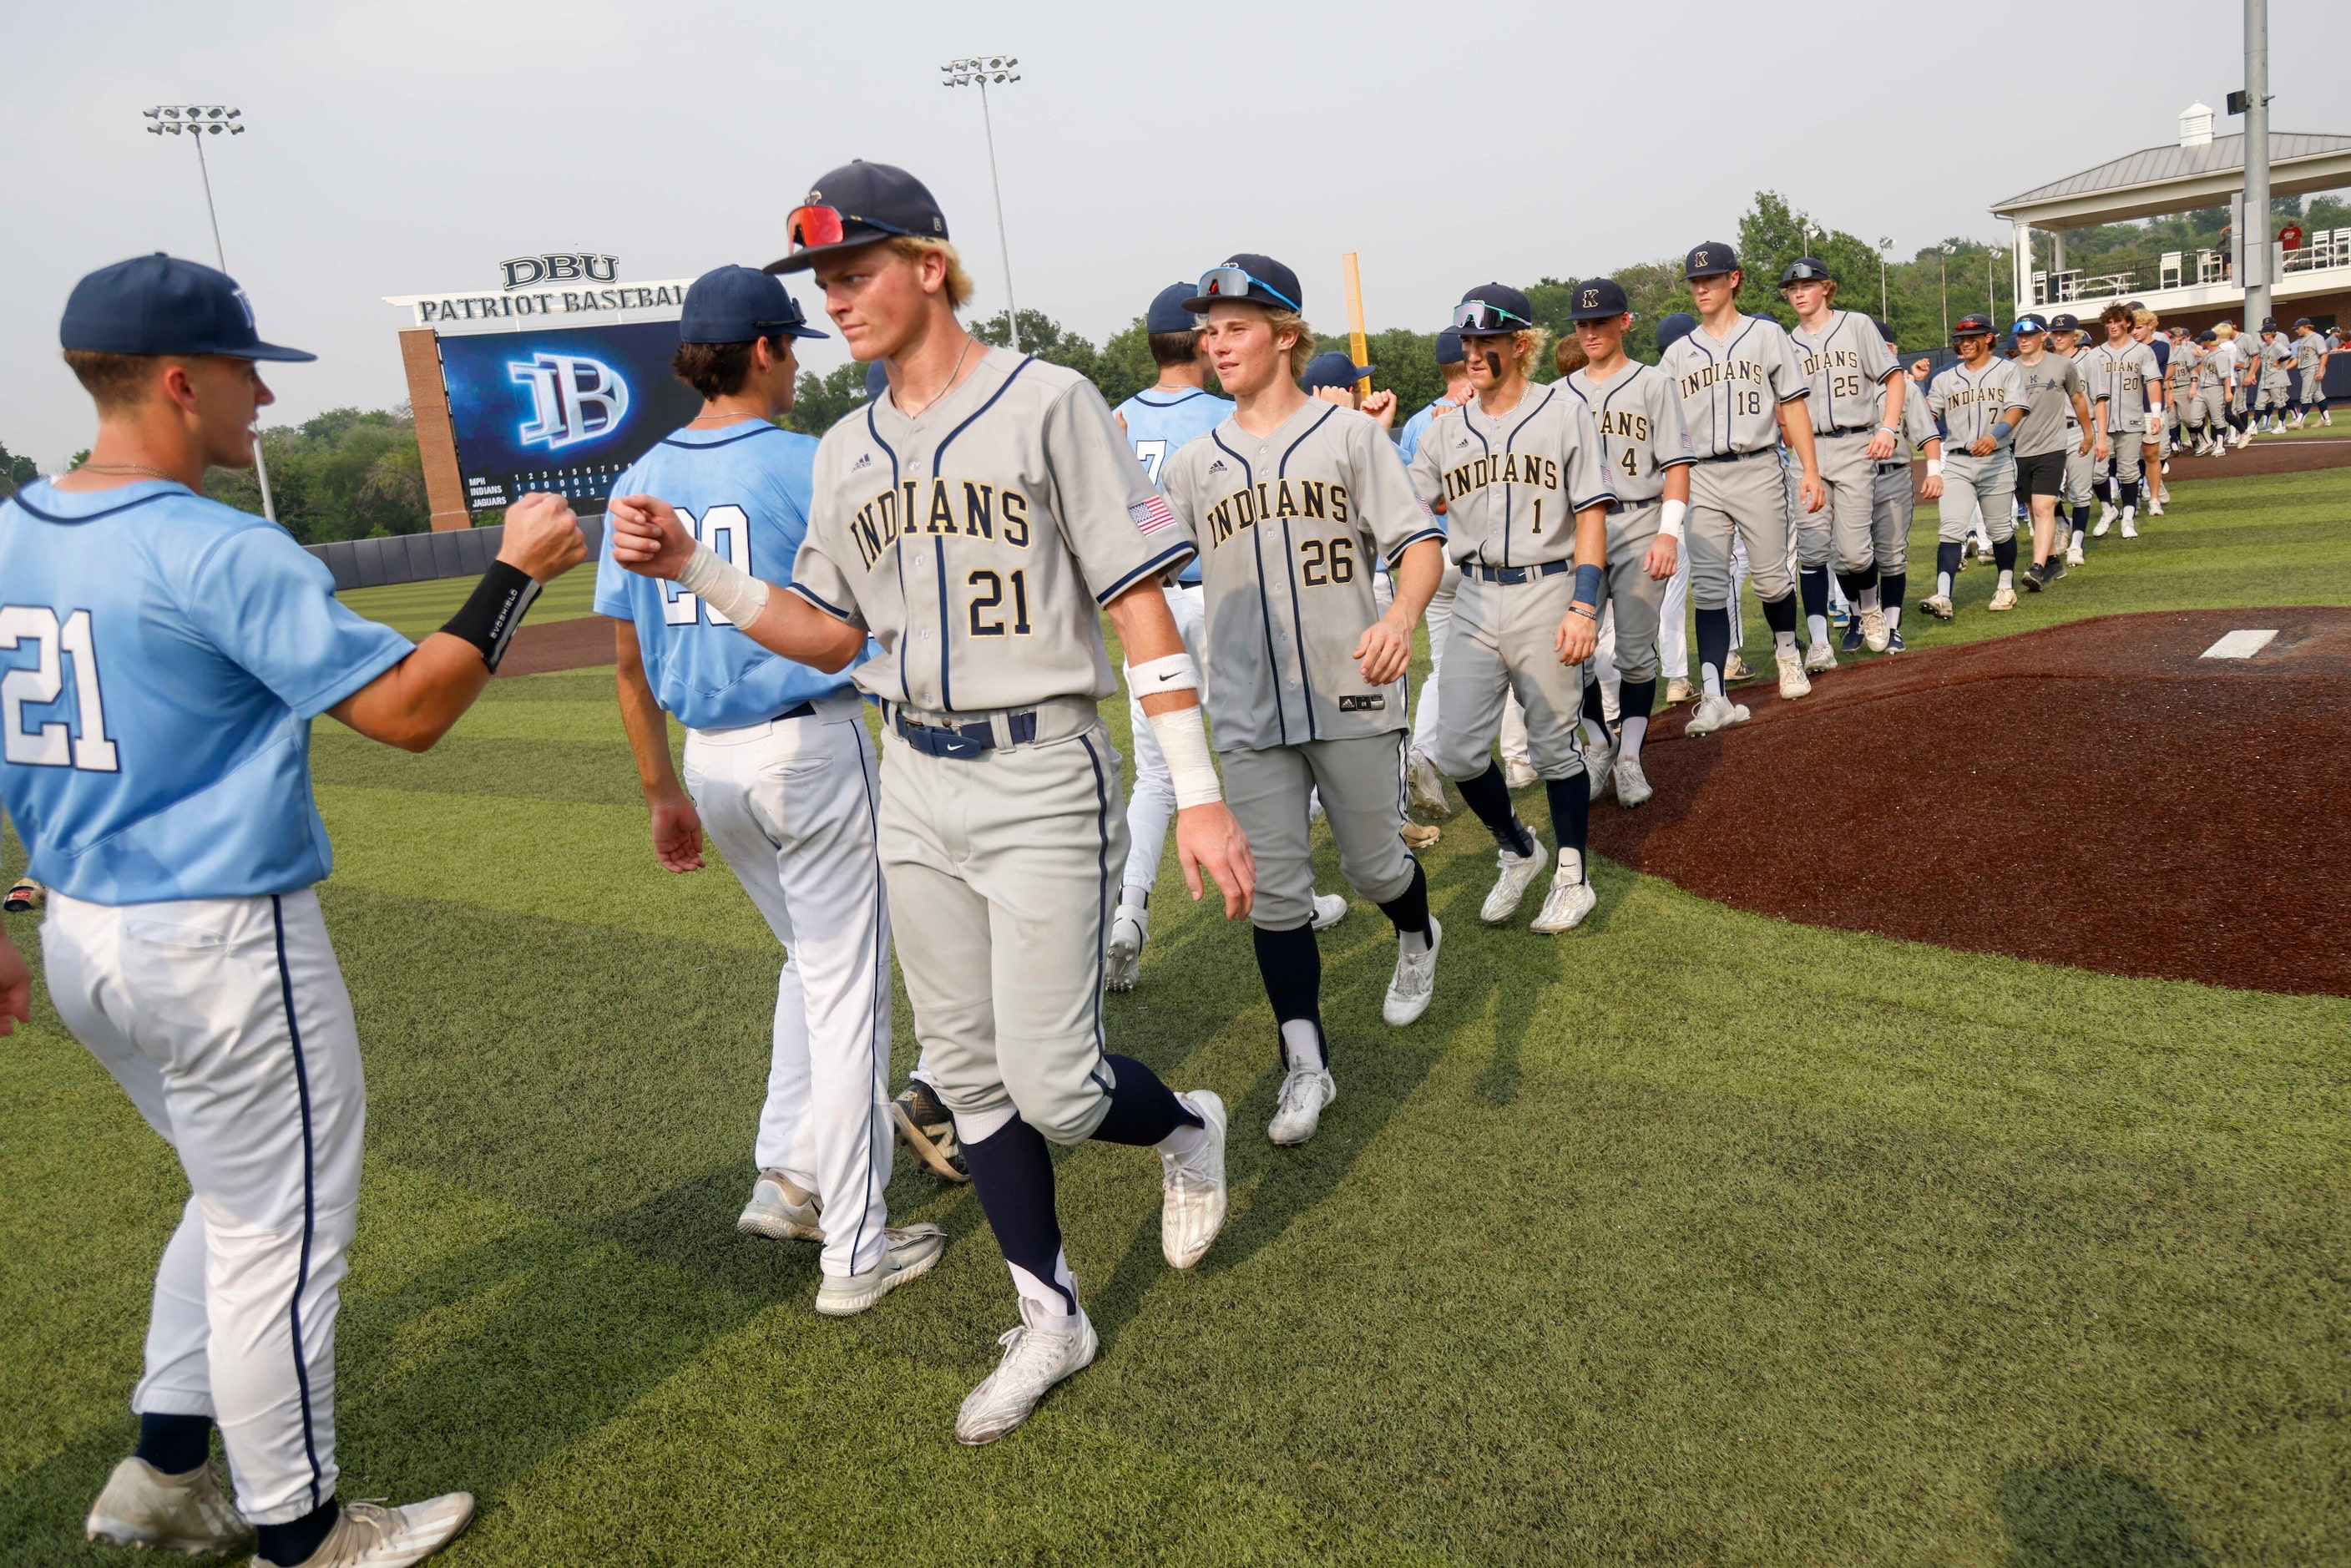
point(1151, 515)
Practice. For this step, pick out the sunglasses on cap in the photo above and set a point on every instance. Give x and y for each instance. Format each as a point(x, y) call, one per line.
point(1235, 283)
point(811, 228)
point(1476, 317)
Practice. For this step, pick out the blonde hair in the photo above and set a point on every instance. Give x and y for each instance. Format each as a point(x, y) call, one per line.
point(958, 281)
point(1302, 352)
point(2143, 317)
point(1527, 347)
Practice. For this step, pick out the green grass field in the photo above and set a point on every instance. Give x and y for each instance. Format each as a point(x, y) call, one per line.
point(1696, 1237)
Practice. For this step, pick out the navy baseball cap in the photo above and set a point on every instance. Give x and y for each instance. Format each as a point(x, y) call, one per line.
point(2065, 321)
point(2207, 336)
point(160, 305)
point(1598, 299)
point(1491, 309)
point(1672, 329)
point(1885, 329)
point(1332, 369)
point(736, 304)
point(1167, 313)
point(1260, 280)
point(2269, 324)
point(1972, 326)
point(1450, 350)
point(1805, 270)
point(2025, 324)
point(2302, 321)
point(858, 204)
point(1712, 259)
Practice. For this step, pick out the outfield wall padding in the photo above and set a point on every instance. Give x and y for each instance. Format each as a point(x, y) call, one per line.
point(425, 558)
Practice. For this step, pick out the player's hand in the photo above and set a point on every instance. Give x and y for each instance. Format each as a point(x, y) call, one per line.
point(1813, 492)
point(1578, 634)
point(543, 536)
point(1121, 420)
point(2103, 449)
point(2085, 446)
point(1208, 839)
point(1931, 489)
point(677, 833)
point(647, 537)
point(15, 986)
point(1665, 555)
point(1881, 447)
point(1382, 405)
point(1982, 447)
point(1383, 651)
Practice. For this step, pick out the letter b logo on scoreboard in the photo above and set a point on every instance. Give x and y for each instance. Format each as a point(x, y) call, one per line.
point(573, 399)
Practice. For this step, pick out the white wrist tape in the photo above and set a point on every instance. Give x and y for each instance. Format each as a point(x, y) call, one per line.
point(1183, 741)
point(1934, 467)
point(1670, 525)
point(727, 588)
point(1176, 672)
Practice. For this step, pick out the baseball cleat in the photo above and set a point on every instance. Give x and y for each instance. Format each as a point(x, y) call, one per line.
point(1734, 668)
point(2074, 556)
point(1632, 784)
point(144, 1508)
point(1420, 835)
point(1938, 605)
point(2106, 520)
point(1192, 1196)
point(1599, 770)
point(1678, 690)
point(1414, 980)
point(2130, 529)
point(1713, 713)
point(782, 1209)
point(1874, 631)
point(2155, 507)
point(2002, 597)
point(26, 897)
point(1840, 613)
point(907, 1254)
point(1041, 1351)
point(925, 1125)
point(1819, 657)
point(369, 1535)
point(1520, 775)
point(1330, 908)
point(1566, 905)
point(1510, 886)
point(1299, 1109)
point(1123, 963)
point(1793, 682)
point(1427, 786)
point(1851, 642)
point(1894, 641)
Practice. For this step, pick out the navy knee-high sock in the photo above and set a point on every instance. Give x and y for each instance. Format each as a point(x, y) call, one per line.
point(2082, 519)
point(1012, 1171)
point(1570, 812)
point(174, 1444)
point(1714, 638)
point(1635, 699)
point(1292, 965)
point(2129, 488)
point(1781, 613)
point(1813, 582)
point(2004, 553)
point(1853, 584)
point(1490, 797)
point(1595, 706)
point(1143, 1109)
point(296, 1539)
point(2103, 491)
point(1891, 587)
point(1409, 910)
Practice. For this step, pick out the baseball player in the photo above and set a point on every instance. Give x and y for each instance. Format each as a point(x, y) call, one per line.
point(164, 658)
point(2212, 393)
point(2154, 437)
point(1737, 375)
point(2081, 460)
point(1673, 631)
point(2309, 354)
point(2273, 392)
point(2054, 429)
point(2183, 429)
point(2241, 372)
point(1427, 784)
point(1289, 501)
point(976, 523)
point(1857, 393)
point(780, 773)
point(1528, 614)
point(1978, 401)
point(1876, 622)
point(2126, 369)
point(1646, 453)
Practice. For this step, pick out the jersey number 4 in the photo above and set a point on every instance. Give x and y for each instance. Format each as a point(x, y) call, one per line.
point(726, 522)
point(53, 744)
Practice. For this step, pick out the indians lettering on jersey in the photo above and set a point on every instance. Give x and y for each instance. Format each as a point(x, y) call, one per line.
point(1270, 500)
point(1813, 362)
point(1705, 376)
point(1501, 469)
point(1629, 423)
point(971, 509)
point(1963, 395)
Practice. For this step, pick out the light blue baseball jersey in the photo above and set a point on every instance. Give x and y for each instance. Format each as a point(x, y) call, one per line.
point(744, 489)
point(161, 657)
point(1160, 423)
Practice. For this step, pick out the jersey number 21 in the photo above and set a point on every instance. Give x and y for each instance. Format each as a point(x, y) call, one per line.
point(50, 744)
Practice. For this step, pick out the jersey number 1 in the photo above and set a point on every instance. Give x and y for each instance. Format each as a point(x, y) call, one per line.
point(52, 745)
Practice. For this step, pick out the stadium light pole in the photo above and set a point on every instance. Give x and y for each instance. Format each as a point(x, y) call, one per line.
point(1884, 310)
point(1944, 250)
point(1991, 306)
point(2254, 240)
point(977, 71)
point(195, 121)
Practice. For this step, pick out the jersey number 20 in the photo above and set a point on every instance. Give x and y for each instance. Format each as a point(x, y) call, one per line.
point(726, 521)
point(51, 745)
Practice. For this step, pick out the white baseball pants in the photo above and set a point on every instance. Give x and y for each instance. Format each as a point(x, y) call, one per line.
point(1152, 805)
point(792, 805)
point(226, 1022)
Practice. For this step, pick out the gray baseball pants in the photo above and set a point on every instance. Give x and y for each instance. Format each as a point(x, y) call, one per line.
point(1894, 502)
point(1638, 599)
point(1839, 533)
point(2123, 459)
point(1970, 482)
point(1746, 497)
point(1361, 782)
point(1505, 639)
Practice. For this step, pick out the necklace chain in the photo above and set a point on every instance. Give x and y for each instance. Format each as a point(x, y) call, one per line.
point(125, 468)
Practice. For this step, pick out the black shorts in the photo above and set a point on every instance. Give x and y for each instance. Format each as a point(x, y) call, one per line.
point(2043, 474)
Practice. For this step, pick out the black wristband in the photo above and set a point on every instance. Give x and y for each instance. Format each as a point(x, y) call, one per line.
point(490, 614)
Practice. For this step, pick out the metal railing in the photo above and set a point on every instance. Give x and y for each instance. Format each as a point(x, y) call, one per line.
point(2323, 250)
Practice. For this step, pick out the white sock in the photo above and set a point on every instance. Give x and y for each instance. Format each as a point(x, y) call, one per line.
point(1187, 1140)
point(1596, 734)
point(1893, 617)
point(1710, 678)
point(1637, 728)
point(2008, 579)
point(1818, 627)
point(1413, 943)
point(1570, 864)
point(2130, 513)
point(1301, 1044)
point(1869, 597)
point(1943, 583)
point(1049, 1300)
point(2078, 537)
point(1784, 642)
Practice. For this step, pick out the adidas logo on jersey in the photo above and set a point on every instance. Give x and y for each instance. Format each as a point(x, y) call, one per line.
point(1217, 466)
point(864, 460)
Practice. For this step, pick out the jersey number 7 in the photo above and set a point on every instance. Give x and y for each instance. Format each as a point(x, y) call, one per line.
point(51, 745)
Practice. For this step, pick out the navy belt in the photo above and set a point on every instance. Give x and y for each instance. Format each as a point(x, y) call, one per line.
point(965, 741)
point(1740, 456)
point(1517, 574)
point(806, 710)
point(1852, 429)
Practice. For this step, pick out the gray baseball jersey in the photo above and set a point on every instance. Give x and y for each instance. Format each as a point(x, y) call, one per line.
point(1638, 415)
point(2086, 367)
point(1970, 402)
point(2124, 375)
point(2180, 375)
point(2308, 349)
point(2213, 366)
point(2049, 390)
point(1917, 424)
point(1846, 364)
point(1287, 525)
point(1512, 484)
point(1732, 389)
point(978, 541)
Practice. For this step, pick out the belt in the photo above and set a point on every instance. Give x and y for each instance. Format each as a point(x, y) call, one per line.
point(1740, 456)
point(962, 740)
point(1515, 574)
point(804, 710)
point(1852, 429)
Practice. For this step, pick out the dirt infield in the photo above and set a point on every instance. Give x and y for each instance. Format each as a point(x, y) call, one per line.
point(2094, 794)
point(575, 644)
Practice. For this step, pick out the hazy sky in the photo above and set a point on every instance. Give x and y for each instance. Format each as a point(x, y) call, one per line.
point(407, 148)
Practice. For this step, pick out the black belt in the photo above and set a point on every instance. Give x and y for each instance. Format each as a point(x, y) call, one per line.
point(1740, 456)
point(806, 710)
point(961, 740)
point(1854, 430)
point(1516, 574)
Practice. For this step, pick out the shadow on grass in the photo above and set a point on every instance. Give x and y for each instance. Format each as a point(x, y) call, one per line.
point(2090, 1517)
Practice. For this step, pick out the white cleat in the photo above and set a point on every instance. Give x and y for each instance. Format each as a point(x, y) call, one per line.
point(1299, 1111)
point(1632, 784)
point(1041, 1351)
point(782, 1209)
point(1192, 1196)
point(1793, 682)
point(1330, 908)
point(1735, 667)
point(1938, 605)
point(1516, 873)
point(907, 1254)
point(1520, 775)
point(2155, 507)
point(1414, 980)
point(144, 1508)
point(1873, 629)
point(2130, 529)
point(1427, 786)
point(1713, 713)
point(2003, 599)
point(1123, 964)
point(369, 1535)
point(2106, 520)
point(1599, 770)
point(1566, 905)
point(1819, 657)
point(2074, 556)
point(1678, 690)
